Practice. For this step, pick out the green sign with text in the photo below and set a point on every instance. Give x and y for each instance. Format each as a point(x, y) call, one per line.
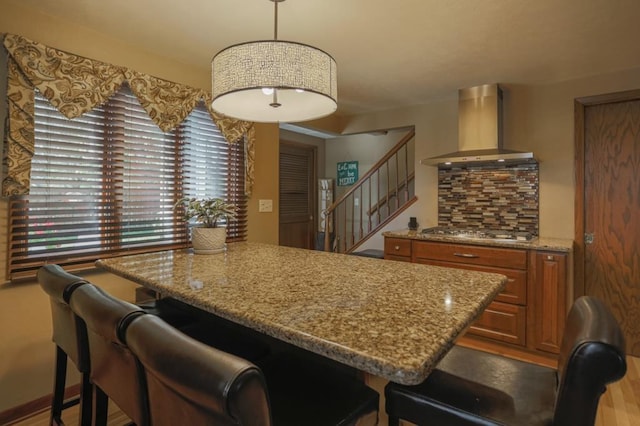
point(347, 173)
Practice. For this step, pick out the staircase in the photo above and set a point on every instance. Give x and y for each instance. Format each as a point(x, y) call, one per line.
point(380, 195)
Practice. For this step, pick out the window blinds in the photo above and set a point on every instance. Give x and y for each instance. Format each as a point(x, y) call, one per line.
point(105, 184)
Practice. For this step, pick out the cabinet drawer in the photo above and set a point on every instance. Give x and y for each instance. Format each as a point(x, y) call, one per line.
point(475, 255)
point(515, 291)
point(397, 247)
point(502, 321)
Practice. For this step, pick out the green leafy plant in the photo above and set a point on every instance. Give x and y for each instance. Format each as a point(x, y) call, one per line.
point(208, 211)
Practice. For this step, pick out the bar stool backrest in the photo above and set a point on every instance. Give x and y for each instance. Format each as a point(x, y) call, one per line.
point(592, 355)
point(113, 366)
point(192, 383)
point(59, 285)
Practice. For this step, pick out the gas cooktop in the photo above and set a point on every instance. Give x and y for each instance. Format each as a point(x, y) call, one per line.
point(479, 234)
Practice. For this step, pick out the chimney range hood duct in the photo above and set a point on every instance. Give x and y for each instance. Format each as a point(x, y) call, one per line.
point(480, 131)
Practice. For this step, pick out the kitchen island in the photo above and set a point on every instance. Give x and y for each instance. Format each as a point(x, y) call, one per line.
point(389, 319)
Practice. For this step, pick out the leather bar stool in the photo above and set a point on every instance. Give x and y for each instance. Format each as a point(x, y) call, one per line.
point(113, 368)
point(189, 383)
point(470, 387)
point(192, 383)
point(70, 340)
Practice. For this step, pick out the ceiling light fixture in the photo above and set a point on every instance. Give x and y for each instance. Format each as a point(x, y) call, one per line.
point(274, 81)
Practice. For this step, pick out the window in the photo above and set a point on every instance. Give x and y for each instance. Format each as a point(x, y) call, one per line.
point(106, 183)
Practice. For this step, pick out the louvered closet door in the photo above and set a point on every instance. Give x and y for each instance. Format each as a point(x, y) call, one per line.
point(297, 195)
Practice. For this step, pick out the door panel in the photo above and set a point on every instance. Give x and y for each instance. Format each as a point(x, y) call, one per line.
point(612, 211)
point(297, 195)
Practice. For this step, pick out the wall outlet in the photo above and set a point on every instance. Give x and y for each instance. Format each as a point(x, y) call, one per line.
point(265, 206)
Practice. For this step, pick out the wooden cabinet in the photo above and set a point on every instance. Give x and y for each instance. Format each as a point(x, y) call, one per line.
point(502, 321)
point(526, 319)
point(549, 277)
point(397, 249)
point(505, 319)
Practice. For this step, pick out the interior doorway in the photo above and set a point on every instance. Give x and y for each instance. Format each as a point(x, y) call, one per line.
point(297, 195)
point(607, 257)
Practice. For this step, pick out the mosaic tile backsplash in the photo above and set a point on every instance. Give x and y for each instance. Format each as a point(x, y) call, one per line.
point(489, 197)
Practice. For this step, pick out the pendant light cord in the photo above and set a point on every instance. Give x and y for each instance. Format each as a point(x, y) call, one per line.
point(275, 103)
point(275, 19)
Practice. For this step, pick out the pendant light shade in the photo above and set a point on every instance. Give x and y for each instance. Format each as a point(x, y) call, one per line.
point(274, 81)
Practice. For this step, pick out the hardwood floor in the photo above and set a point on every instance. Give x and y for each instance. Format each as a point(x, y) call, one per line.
point(619, 406)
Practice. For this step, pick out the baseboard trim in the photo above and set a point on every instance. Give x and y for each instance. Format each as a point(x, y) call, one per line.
point(31, 408)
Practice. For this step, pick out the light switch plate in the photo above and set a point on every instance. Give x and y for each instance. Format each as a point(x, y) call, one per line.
point(265, 206)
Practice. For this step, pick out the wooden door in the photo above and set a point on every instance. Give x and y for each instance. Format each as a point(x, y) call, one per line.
point(608, 233)
point(297, 195)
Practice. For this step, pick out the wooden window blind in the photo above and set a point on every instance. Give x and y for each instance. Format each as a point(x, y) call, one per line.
point(105, 184)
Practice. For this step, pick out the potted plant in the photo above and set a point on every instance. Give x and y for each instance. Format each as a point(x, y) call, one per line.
point(208, 237)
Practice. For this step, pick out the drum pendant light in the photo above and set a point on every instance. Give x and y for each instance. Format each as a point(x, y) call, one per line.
point(274, 81)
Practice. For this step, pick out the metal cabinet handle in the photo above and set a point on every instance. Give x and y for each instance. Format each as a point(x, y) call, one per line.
point(467, 255)
point(397, 247)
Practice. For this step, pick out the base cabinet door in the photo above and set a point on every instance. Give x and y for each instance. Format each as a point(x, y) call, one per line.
point(550, 271)
point(503, 322)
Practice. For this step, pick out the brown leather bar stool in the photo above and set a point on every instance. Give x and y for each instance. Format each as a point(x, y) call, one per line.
point(470, 387)
point(190, 383)
point(70, 340)
point(113, 369)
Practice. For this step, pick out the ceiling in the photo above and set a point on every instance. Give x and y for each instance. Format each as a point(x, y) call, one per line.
point(390, 54)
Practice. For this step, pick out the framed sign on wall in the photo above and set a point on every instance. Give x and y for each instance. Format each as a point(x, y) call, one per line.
point(347, 173)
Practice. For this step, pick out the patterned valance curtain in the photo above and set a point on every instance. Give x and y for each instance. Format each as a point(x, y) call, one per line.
point(75, 85)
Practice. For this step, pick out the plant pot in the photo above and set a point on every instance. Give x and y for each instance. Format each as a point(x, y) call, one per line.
point(208, 240)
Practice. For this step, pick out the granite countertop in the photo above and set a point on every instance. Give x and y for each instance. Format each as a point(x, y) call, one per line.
point(391, 319)
point(552, 244)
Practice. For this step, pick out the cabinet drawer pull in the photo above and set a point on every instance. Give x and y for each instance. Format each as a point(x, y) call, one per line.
point(467, 255)
point(397, 247)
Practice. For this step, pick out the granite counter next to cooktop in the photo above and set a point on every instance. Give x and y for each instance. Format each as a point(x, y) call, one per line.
point(552, 244)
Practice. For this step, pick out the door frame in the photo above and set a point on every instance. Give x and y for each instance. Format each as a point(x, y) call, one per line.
point(580, 105)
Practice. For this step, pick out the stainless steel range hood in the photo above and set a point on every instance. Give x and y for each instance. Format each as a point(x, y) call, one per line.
point(480, 131)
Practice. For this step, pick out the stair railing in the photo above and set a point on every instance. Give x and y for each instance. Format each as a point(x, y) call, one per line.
point(377, 197)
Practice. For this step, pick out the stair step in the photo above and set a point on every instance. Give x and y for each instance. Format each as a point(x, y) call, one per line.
point(375, 253)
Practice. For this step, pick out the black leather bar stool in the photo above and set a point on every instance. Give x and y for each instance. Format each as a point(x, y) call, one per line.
point(70, 340)
point(470, 387)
